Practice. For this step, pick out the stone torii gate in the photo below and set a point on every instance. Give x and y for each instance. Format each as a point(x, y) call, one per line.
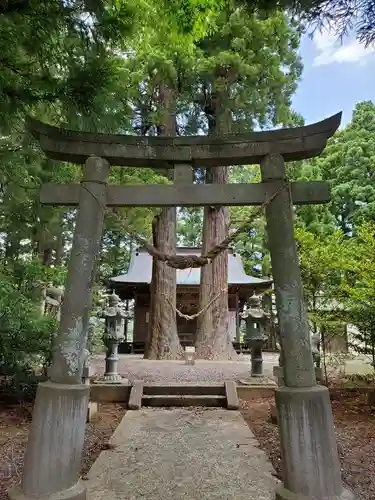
point(310, 458)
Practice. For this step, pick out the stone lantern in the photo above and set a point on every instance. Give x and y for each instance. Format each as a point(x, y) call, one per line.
point(114, 316)
point(256, 319)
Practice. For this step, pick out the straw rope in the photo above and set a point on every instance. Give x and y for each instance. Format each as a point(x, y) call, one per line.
point(194, 261)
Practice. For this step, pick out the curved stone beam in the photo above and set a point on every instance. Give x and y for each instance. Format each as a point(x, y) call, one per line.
point(143, 151)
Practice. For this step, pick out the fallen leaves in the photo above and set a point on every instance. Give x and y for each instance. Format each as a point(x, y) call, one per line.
point(355, 430)
point(14, 428)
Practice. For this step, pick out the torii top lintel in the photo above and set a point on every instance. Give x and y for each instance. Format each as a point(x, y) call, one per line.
point(147, 151)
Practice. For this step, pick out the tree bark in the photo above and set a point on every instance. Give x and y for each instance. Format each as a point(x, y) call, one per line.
point(60, 243)
point(46, 257)
point(213, 339)
point(12, 247)
point(163, 341)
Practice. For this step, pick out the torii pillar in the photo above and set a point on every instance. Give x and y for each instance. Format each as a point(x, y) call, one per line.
point(310, 458)
point(54, 450)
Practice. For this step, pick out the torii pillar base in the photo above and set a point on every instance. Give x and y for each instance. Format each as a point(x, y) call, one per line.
point(308, 446)
point(54, 450)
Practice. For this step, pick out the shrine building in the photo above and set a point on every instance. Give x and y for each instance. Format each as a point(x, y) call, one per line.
point(135, 284)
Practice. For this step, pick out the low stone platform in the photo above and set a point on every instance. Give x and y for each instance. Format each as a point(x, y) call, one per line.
point(120, 393)
point(180, 454)
point(183, 395)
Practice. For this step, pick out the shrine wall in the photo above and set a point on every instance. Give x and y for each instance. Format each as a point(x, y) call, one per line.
point(186, 328)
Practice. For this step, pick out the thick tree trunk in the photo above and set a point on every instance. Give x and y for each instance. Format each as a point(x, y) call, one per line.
point(213, 340)
point(163, 341)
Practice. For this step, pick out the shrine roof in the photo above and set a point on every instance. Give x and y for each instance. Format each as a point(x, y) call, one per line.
point(140, 270)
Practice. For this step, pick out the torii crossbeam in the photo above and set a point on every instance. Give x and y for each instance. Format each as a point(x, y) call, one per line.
point(293, 144)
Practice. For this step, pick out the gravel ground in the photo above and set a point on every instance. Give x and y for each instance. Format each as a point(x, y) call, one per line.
point(134, 367)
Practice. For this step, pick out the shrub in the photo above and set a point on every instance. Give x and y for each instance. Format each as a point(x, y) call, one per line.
point(24, 333)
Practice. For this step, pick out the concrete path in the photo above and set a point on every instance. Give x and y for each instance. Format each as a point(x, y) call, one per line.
point(181, 454)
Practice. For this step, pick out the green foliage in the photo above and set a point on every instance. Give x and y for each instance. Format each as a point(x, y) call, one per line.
point(257, 61)
point(359, 290)
point(25, 335)
point(57, 54)
point(189, 228)
point(251, 244)
point(341, 16)
point(348, 164)
point(322, 261)
point(338, 276)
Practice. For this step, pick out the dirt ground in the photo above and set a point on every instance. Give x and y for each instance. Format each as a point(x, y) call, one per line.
point(355, 428)
point(14, 425)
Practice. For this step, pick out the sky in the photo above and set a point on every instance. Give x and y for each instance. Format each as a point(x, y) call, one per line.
point(336, 76)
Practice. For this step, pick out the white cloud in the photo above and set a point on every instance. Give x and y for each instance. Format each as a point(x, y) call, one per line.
point(331, 50)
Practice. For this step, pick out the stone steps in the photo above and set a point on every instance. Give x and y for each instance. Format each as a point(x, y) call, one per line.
point(184, 389)
point(183, 395)
point(180, 401)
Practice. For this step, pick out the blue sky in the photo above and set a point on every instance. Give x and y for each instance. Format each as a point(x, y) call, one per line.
point(335, 77)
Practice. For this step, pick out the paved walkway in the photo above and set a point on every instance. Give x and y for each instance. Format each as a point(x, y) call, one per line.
point(182, 454)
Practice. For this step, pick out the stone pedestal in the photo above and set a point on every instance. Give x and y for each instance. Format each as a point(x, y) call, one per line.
point(256, 357)
point(54, 450)
point(279, 374)
point(189, 355)
point(111, 374)
point(309, 452)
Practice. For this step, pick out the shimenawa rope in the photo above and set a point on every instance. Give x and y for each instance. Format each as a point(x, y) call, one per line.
point(193, 261)
point(196, 315)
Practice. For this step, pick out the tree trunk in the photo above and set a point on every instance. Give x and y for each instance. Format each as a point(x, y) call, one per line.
point(213, 340)
point(47, 257)
point(12, 247)
point(60, 243)
point(163, 341)
point(45, 250)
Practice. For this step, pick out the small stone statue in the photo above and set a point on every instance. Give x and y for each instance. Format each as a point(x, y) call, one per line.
point(90, 334)
point(256, 319)
point(114, 316)
point(315, 347)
